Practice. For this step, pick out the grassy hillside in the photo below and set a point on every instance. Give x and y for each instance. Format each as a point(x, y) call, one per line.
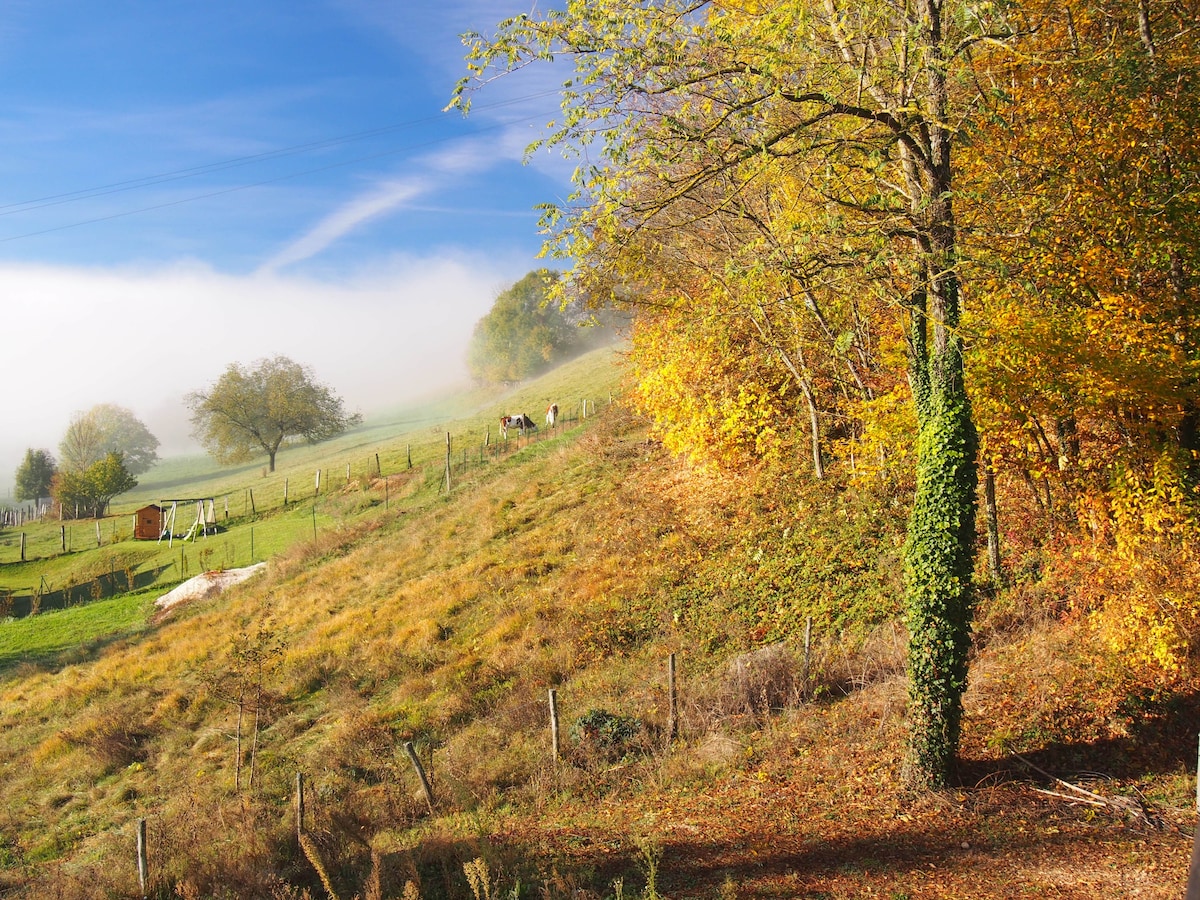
point(578, 564)
point(394, 458)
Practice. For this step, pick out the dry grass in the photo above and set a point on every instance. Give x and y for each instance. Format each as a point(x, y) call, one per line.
point(577, 566)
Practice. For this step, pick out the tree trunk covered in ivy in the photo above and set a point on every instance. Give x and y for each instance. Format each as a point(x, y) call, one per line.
point(939, 551)
point(938, 559)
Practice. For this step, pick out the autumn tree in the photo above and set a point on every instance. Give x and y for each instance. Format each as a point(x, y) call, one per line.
point(90, 491)
point(684, 105)
point(103, 429)
point(1087, 333)
point(1086, 330)
point(252, 410)
point(798, 332)
point(526, 332)
point(34, 475)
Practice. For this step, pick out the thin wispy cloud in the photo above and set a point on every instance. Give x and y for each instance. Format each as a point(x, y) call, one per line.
point(466, 156)
point(474, 155)
point(380, 201)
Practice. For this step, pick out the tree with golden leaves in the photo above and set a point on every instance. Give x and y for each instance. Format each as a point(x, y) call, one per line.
point(680, 109)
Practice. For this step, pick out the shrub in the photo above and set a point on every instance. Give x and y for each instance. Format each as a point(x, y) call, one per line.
point(760, 682)
point(606, 736)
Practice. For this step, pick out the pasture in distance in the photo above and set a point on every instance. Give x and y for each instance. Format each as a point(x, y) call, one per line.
point(75, 563)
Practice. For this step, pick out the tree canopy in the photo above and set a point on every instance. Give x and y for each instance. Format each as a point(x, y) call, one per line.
point(253, 410)
point(913, 237)
point(526, 332)
point(104, 429)
point(34, 475)
point(89, 491)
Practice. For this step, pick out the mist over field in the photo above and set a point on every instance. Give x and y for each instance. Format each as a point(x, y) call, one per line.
point(377, 337)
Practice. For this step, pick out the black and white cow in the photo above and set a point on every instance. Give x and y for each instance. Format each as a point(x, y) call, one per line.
point(520, 421)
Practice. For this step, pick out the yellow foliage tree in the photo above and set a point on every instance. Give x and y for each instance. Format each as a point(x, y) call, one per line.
point(1084, 317)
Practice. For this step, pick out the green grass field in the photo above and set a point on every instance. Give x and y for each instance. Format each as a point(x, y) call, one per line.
point(76, 630)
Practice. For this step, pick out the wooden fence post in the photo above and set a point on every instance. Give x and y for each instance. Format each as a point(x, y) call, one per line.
point(143, 860)
point(22, 546)
point(554, 724)
point(285, 491)
point(409, 455)
point(299, 804)
point(672, 702)
point(447, 462)
point(420, 770)
point(97, 532)
point(317, 484)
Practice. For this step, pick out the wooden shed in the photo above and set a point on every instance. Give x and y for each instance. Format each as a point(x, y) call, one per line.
point(148, 523)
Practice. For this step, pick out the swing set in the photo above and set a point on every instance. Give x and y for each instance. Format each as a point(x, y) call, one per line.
point(205, 523)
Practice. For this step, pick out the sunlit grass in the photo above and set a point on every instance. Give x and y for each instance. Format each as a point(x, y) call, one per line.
point(577, 564)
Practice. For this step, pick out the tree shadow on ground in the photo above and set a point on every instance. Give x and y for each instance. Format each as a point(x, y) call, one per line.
point(1159, 738)
point(890, 858)
point(100, 587)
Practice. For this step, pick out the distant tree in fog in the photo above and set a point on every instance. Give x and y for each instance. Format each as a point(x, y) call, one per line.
point(104, 429)
point(34, 475)
point(525, 333)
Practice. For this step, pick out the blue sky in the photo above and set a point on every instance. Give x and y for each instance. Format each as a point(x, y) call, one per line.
point(188, 184)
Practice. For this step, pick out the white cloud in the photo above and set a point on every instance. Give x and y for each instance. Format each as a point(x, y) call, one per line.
point(380, 200)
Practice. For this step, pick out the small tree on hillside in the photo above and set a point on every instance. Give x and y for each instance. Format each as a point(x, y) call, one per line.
point(34, 475)
point(253, 410)
point(91, 490)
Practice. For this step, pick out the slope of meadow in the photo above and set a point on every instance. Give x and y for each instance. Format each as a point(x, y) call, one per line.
point(579, 564)
point(397, 458)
